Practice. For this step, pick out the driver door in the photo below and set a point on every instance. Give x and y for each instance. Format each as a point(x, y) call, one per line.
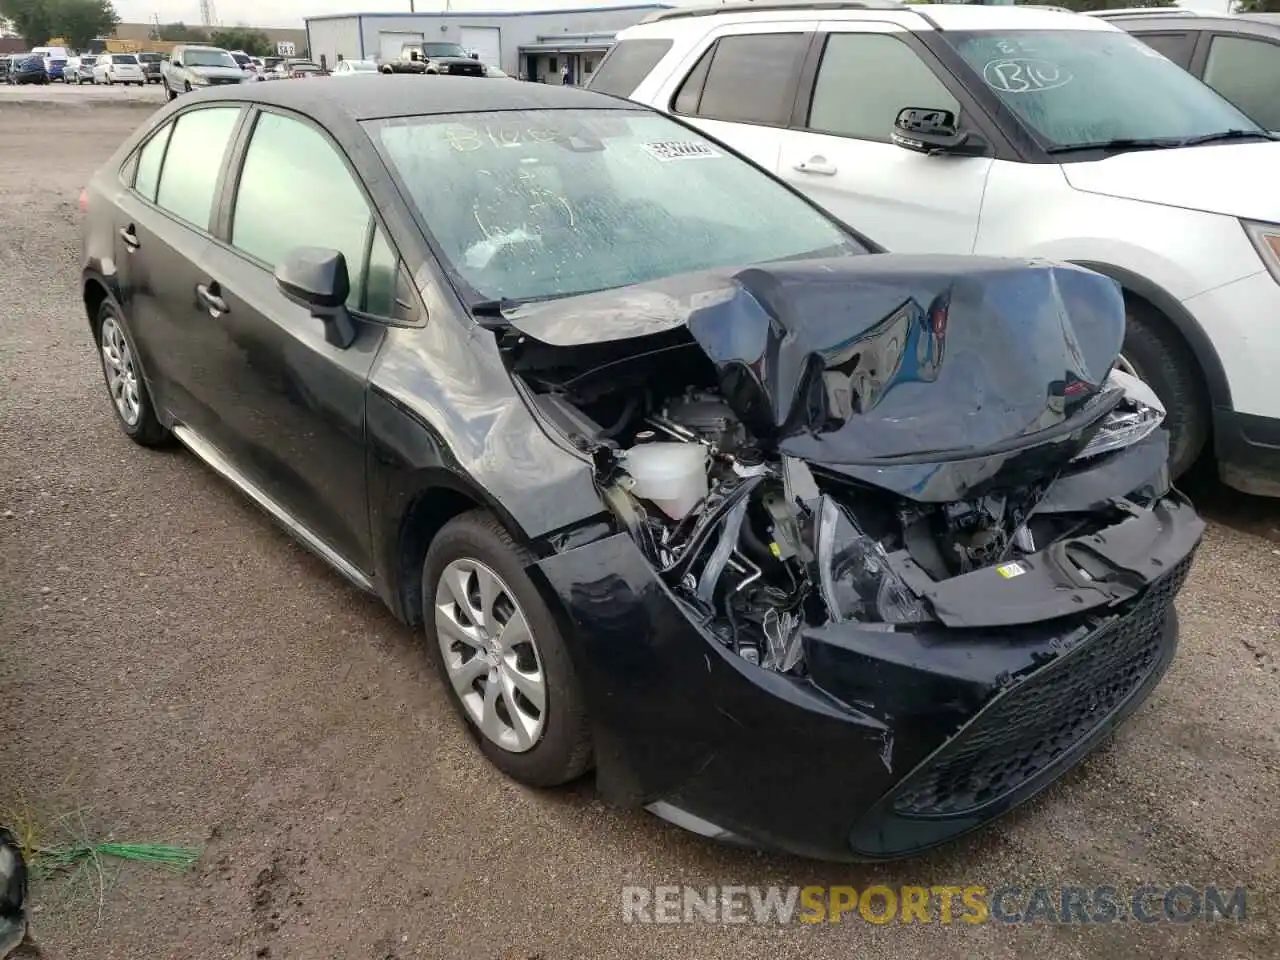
point(842, 156)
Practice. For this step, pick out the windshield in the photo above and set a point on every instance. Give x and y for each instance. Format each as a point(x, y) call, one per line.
point(536, 204)
point(443, 50)
point(1078, 87)
point(149, 57)
point(123, 58)
point(240, 58)
point(208, 58)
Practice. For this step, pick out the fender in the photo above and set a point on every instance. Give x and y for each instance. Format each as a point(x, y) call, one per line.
point(1202, 348)
point(105, 276)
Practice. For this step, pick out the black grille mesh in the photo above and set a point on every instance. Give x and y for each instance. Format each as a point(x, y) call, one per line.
point(1041, 718)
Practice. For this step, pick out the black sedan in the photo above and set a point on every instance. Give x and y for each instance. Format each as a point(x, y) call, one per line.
point(789, 540)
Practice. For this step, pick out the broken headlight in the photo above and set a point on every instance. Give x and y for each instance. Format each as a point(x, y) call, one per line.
point(1136, 416)
point(854, 575)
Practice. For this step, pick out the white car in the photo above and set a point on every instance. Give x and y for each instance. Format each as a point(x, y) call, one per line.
point(352, 68)
point(1014, 131)
point(118, 68)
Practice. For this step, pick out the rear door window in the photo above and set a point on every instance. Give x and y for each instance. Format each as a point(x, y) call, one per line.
point(147, 177)
point(1246, 71)
point(747, 79)
point(193, 162)
point(626, 65)
point(295, 190)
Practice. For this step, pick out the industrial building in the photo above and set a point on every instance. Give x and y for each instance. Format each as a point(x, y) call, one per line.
point(535, 45)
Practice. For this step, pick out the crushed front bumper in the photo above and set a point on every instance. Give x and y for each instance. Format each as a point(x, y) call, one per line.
point(899, 739)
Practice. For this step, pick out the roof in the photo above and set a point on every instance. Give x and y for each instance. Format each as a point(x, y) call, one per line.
point(407, 95)
point(922, 17)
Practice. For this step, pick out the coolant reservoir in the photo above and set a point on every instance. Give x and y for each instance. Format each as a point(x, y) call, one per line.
point(672, 475)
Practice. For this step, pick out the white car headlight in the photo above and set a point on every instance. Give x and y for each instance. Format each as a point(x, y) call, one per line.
point(1266, 240)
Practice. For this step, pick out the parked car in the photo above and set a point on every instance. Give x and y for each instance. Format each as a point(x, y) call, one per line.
point(1014, 131)
point(27, 68)
point(152, 66)
point(435, 58)
point(112, 68)
point(80, 69)
point(299, 69)
point(832, 543)
point(55, 60)
point(269, 65)
point(244, 62)
point(1238, 55)
point(193, 66)
point(351, 68)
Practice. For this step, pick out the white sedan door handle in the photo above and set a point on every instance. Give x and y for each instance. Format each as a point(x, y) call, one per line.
point(817, 165)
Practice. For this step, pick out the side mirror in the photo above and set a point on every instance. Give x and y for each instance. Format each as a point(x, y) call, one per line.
point(413, 55)
point(475, 55)
point(316, 278)
point(930, 131)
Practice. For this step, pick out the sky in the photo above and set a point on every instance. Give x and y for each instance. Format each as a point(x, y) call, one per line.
point(290, 13)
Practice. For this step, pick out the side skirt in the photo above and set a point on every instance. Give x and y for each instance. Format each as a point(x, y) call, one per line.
point(214, 458)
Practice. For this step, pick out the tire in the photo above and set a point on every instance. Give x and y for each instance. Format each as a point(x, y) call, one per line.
point(113, 337)
point(186, 86)
point(170, 94)
point(1161, 358)
point(560, 750)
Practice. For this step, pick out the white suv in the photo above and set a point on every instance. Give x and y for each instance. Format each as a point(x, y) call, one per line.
point(1014, 131)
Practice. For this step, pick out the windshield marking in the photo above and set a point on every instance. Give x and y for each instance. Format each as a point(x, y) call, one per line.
point(1024, 75)
point(666, 150)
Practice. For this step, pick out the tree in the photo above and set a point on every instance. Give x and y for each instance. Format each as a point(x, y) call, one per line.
point(1258, 6)
point(180, 33)
point(77, 21)
point(253, 42)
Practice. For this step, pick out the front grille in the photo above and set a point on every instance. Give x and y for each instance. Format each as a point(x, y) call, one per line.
point(221, 80)
point(466, 69)
point(1024, 732)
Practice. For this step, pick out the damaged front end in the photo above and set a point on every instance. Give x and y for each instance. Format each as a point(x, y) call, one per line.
point(906, 486)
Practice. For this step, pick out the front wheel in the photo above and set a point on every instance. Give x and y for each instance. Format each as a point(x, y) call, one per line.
point(1160, 358)
point(128, 392)
point(186, 86)
point(500, 653)
point(170, 93)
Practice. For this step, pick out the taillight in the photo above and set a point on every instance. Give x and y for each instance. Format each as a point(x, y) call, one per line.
point(84, 201)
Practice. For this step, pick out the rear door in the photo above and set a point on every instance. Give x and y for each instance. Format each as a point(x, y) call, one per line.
point(293, 405)
point(861, 75)
point(162, 232)
point(741, 88)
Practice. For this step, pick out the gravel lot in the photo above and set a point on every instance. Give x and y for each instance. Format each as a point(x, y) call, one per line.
point(175, 669)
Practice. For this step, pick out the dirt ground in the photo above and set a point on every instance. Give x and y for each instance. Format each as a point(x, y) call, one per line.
point(174, 669)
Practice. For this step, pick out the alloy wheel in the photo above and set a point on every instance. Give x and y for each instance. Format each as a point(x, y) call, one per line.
point(490, 655)
point(122, 377)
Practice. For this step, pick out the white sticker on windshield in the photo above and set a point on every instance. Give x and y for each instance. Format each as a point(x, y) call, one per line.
point(679, 150)
point(1024, 75)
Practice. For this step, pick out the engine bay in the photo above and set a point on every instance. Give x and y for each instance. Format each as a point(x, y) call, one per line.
point(758, 544)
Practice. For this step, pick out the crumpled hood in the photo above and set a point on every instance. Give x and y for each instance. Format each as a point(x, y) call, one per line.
point(927, 375)
point(1235, 179)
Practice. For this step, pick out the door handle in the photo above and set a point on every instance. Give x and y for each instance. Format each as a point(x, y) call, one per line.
point(208, 295)
point(130, 238)
point(817, 165)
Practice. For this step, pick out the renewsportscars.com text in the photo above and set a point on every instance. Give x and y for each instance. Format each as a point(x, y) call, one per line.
point(935, 904)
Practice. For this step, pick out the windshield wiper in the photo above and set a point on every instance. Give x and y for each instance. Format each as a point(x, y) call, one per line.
point(1121, 143)
point(1226, 135)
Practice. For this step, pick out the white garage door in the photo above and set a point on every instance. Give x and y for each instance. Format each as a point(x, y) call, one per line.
point(390, 43)
point(486, 41)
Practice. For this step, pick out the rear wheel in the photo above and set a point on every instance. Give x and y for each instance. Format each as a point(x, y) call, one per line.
point(1161, 358)
point(500, 653)
point(128, 392)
